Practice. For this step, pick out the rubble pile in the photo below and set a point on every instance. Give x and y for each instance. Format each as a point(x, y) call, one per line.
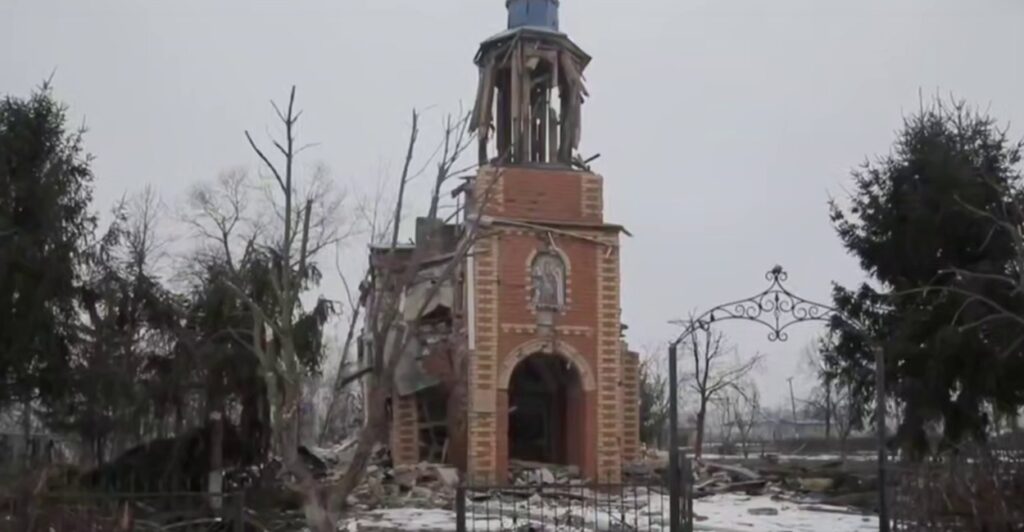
point(833, 483)
point(523, 473)
point(545, 493)
point(422, 486)
point(828, 483)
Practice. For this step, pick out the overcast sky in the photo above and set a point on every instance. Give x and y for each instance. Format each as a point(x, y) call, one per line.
point(724, 125)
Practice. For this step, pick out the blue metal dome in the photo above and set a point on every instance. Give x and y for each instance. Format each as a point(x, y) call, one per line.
point(533, 13)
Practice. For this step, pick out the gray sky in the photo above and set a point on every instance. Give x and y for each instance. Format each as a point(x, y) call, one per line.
point(724, 125)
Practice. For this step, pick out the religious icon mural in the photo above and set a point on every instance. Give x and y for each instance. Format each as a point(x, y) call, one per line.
point(548, 273)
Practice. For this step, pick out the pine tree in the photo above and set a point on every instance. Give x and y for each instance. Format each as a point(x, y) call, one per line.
point(45, 224)
point(912, 222)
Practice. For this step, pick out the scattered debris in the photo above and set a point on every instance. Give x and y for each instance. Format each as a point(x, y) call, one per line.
point(422, 486)
point(732, 470)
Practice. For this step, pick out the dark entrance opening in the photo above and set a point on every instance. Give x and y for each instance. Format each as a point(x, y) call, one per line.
point(545, 407)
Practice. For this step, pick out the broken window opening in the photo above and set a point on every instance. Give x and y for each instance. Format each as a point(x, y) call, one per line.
point(545, 415)
point(433, 424)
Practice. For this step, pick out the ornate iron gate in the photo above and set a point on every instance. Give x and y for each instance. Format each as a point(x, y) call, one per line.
point(778, 309)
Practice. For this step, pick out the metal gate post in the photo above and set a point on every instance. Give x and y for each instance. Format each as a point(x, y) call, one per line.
point(880, 428)
point(460, 509)
point(674, 491)
point(240, 511)
point(688, 494)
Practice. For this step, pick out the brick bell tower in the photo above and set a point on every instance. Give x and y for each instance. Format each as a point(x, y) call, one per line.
point(550, 378)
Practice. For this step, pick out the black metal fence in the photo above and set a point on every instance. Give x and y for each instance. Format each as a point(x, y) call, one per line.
point(975, 490)
point(568, 507)
point(112, 512)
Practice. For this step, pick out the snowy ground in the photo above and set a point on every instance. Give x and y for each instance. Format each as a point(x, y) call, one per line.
point(723, 513)
point(824, 457)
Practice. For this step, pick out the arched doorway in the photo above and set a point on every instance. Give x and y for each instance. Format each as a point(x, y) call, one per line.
point(546, 407)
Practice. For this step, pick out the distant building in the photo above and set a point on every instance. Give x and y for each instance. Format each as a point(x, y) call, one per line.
point(787, 429)
point(39, 447)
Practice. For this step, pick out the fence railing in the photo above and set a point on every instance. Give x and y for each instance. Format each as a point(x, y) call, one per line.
point(563, 507)
point(633, 506)
point(976, 490)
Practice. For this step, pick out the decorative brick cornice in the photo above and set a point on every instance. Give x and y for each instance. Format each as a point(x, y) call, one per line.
point(561, 330)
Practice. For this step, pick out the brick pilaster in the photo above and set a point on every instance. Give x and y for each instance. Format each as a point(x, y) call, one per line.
point(405, 445)
point(630, 406)
point(483, 368)
point(592, 198)
point(609, 365)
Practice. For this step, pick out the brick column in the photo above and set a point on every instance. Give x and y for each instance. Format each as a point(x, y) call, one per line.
point(609, 365)
point(630, 406)
point(483, 367)
point(405, 438)
point(592, 197)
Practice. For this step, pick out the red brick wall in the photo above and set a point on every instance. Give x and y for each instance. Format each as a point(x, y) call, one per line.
point(630, 406)
point(587, 325)
point(405, 431)
point(548, 194)
point(517, 250)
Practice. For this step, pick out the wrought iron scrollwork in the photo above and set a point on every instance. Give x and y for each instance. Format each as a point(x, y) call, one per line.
point(776, 307)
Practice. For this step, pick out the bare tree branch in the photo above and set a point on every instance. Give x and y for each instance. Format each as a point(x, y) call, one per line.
point(266, 161)
point(414, 133)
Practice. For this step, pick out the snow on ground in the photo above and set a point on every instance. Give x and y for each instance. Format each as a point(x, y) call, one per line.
point(852, 457)
point(722, 513)
point(733, 512)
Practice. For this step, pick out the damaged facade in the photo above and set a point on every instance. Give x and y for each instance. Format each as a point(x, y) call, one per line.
point(517, 349)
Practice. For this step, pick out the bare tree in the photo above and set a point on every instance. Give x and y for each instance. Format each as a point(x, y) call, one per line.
point(717, 367)
point(830, 400)
point(285, 222)
point(388, 326)
point(719, 422)
point(302, 222)
point(374, 213)
point(822, 401)
point(455, 140)
point(745, 411)
point(653, 398)
point(346, 373)
point(116, 329)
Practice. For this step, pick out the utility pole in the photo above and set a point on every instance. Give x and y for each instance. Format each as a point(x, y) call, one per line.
point(792, 400)
point(674, 485)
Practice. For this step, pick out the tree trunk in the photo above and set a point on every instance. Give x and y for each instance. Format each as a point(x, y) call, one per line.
point(315, 505)
point(254, 421)
point(698, 446)
point(829, 409)
point(373, 433)
point(215, 482)
point(330, 431)
point(26, 428)
point(179, 418)
point(215, 419)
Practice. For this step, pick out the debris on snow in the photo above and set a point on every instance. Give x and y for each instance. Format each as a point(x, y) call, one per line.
point(722, 513)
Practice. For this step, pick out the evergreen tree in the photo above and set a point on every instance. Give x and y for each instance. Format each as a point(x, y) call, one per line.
point(45, 223)
point(913, 222)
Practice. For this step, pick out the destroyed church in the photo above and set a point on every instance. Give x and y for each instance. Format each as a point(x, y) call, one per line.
point(511, 339)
